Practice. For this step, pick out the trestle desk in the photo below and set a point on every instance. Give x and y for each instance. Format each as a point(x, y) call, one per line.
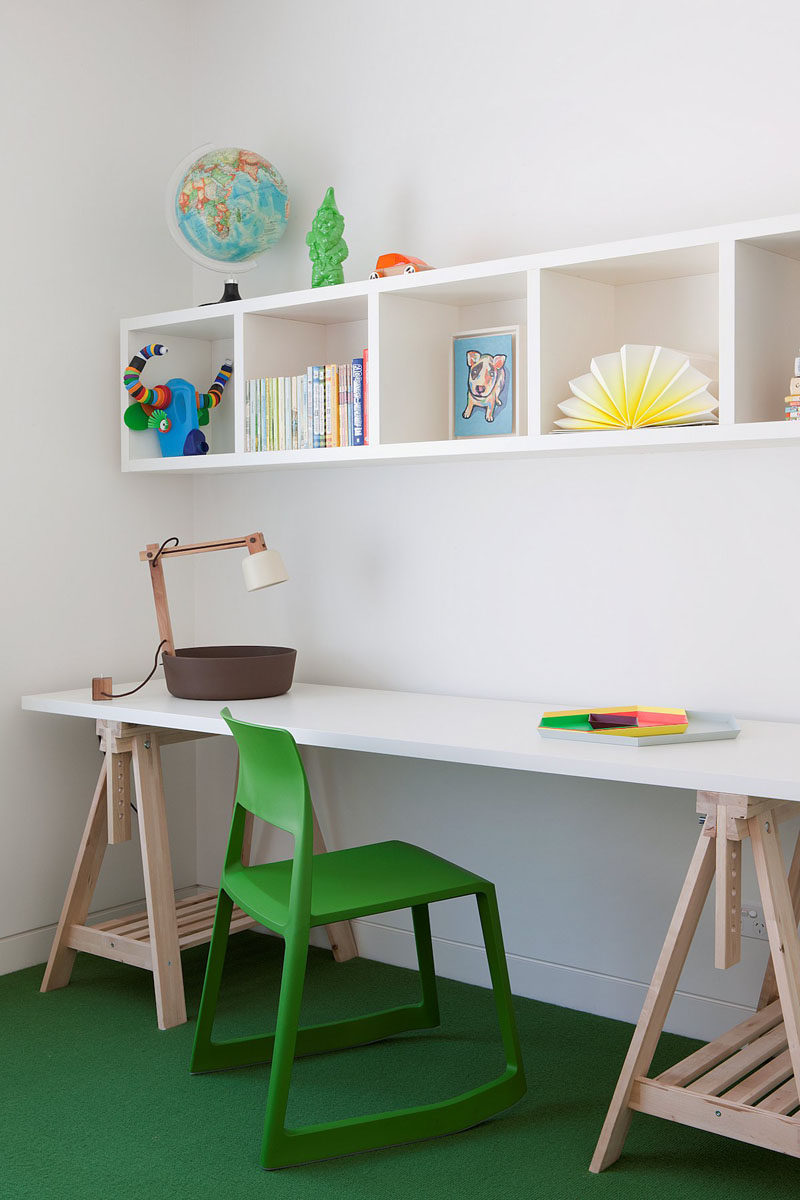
point(742, 1085)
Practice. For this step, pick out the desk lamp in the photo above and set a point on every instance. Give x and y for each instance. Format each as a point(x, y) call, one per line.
point(215, 672)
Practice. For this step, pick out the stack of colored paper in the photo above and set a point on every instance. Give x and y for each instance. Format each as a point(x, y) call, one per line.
point(629, 720)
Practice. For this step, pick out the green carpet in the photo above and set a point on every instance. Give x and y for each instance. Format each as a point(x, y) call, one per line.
point(96, 1102)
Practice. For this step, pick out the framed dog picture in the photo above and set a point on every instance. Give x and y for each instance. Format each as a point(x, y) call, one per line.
point(484, 382)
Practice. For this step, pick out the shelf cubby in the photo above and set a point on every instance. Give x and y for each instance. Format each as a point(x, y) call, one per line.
point(196, 349)
point(767, 289)
point(669, 298)
point(286, 340)
point(415, 330)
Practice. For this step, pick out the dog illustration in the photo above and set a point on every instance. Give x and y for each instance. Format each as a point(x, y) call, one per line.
point(485, 383)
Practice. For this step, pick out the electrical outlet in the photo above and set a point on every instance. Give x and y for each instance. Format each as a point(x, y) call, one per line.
point(753, 924)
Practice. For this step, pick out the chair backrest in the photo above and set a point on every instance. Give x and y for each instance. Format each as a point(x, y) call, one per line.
point(272, 780)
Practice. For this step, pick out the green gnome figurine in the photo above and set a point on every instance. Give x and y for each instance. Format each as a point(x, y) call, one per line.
point(327, 249)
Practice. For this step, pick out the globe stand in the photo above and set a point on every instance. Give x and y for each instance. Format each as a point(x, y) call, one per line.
point(231, 292)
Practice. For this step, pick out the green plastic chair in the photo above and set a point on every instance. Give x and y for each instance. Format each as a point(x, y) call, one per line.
point(292, 896)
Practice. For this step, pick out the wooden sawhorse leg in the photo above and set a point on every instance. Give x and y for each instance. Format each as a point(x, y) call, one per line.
point(153, 939)
point(159, 890)
point(80, 890)
point(743, 1084)
point(149, 940)
point(340, 933)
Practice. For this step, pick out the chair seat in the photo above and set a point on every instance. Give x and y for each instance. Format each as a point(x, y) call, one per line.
point(351, 883)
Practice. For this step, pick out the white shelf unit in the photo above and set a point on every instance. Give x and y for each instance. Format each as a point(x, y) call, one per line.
point(729, 297)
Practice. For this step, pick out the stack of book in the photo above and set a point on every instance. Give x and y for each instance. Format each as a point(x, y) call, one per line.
point(326, 406)
point(791, 405)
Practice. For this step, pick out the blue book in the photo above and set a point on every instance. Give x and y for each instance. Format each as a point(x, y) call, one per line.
point(358, 402)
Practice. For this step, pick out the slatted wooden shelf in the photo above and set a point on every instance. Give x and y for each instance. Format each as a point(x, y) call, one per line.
point(740, 1085)
point(127, 939)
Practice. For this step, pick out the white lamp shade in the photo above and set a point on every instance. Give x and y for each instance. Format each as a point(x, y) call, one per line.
point(263, 569)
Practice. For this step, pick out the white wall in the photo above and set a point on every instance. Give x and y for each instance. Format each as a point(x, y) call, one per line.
point(94, 118)
point(457, 133)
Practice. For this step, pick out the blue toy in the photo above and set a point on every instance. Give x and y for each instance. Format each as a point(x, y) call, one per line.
point(176, 409)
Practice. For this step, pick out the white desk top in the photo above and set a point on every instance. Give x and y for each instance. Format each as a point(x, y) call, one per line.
point(763, 761)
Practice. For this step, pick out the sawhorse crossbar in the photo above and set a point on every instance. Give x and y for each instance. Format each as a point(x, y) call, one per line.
point(154, 938)
point(743, 1085)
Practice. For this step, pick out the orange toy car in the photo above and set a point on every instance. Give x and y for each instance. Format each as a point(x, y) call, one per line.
point(398, 264)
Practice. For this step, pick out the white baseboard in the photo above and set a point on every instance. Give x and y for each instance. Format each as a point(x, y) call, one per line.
point(569, 987)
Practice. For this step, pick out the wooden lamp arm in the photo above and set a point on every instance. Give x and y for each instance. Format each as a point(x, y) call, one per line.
point(253, 541)
point(160, 596)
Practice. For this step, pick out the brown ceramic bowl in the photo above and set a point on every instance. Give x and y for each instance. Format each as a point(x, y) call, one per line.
point(229, 672)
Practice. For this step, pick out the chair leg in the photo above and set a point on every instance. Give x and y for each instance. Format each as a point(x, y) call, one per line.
point(420, 914)
point(291, 996)
point(501, 986)
point(203, 1056)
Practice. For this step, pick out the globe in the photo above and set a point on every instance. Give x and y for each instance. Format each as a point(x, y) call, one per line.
point(226, 206)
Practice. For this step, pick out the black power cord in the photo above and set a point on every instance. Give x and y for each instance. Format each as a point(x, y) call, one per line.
point(120, 695)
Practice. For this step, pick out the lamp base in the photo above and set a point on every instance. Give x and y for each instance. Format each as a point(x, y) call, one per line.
point(101, 687)
point(229, 672)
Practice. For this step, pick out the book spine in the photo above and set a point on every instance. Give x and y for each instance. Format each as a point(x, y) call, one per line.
point(254, 422)
point(319, 423)
point(341, 407)
point(287, 411)
point(254, 415)
point(349, 405)
point(302, 393)
point(273, 413)
point(308, 397)
point(328, 409)
point(365, 391)
point(287, 414)
point(358, 401)
point(295, 430)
